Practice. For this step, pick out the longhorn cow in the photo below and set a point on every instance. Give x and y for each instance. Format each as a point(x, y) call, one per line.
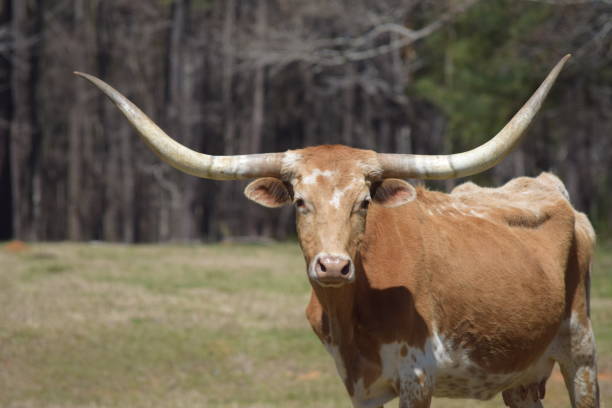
point(417, 293)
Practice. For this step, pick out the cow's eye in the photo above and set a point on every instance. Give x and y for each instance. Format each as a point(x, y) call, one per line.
point(365, 204)
point(299, 203)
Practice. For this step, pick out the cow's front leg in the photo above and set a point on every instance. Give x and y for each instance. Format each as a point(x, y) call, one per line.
point(415, 389)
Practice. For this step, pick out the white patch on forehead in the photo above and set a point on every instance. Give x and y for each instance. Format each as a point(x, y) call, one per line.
point(312, 177)
point(339, 193)
point(335, 200)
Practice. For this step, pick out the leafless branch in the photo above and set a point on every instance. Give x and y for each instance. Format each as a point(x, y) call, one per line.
point(282, 49)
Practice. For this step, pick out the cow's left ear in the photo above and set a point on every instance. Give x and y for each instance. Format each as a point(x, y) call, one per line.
point(392, 192)
point(269, 192)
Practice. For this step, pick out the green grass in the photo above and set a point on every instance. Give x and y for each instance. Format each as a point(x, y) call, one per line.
point(182, 326)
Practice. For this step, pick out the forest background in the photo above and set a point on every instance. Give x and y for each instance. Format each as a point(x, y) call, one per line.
point(230, 77)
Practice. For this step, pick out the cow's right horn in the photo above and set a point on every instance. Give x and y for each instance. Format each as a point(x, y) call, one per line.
point(185, 159)
point(476, 160)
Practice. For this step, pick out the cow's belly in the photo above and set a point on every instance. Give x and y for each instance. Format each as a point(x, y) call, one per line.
point(467, 380)
point(450, 372)
point(457, 376)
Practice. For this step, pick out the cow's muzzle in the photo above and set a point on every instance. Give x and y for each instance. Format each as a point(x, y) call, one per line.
point(332, 270)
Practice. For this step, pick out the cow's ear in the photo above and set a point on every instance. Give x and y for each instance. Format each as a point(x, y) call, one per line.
point(269, 192)
point(392, 192)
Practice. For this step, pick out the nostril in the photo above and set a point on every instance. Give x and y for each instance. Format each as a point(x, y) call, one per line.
point(345, 270)
point(332, 269)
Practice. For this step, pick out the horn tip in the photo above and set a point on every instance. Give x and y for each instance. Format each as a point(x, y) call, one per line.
point(555, 71)
point(81, 74)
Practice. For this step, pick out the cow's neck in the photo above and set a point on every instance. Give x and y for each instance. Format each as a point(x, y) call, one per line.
point(338, 307)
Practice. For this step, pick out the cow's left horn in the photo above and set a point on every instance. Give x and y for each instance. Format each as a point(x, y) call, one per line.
point(476, 160)
point(185, 159)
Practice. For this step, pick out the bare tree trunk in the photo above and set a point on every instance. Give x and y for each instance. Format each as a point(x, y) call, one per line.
point(74, 170)
point(258, 113)
point(76, 129)
point(348, 94)
point(6, 113)
point(178, 103)
point(257, 119)
point(25, 135)
point(228, 76)
point(224, 203)
point(111, 193)
point(127, 188)
point(308, 122)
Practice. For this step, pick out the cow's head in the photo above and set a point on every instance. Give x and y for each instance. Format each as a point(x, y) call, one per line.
point(331, 187)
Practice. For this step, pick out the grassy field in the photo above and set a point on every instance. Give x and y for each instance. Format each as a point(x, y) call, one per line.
point(97, 325)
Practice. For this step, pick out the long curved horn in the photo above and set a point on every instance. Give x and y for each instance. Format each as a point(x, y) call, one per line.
point(185, 159)
point(476, 160)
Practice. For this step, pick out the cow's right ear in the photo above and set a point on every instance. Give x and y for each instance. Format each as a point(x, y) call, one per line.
point(269, 192)
point(392, 192)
